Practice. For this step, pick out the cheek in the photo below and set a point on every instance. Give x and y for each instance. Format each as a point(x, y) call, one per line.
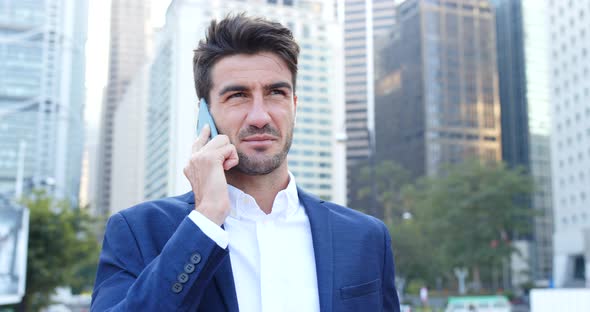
point(230, 123)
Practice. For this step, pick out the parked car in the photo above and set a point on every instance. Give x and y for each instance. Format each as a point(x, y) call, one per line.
point(478, 304)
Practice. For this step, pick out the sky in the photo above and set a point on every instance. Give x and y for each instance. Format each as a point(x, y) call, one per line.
point(97, 51)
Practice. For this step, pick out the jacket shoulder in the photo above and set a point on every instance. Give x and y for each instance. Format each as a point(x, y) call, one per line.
point(172, 208)
point(343, 214)
point(354, 216)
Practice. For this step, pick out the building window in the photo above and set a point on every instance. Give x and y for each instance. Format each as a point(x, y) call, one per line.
point(579, 268)
point(306, 31)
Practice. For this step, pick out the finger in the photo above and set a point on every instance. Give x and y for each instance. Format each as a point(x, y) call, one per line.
point(218, 141)
point(201, 139)
point(231, 159)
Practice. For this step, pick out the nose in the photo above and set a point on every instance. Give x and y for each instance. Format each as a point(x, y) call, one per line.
point(258, 115)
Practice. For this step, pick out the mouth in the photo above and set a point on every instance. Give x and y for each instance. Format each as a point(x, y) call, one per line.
point(259, 140)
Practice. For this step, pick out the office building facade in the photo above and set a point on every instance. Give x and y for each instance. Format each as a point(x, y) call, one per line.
point(364, 20)
point(42, 47)
point(569, 73)
point(524, 95)
point(129, 146)
point(436, 88)
point(128, 48)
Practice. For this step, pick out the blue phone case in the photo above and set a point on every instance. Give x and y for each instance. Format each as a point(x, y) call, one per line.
point(205, 118)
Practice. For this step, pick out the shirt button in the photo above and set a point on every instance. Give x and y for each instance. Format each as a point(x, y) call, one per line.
point(177, 287)
point(196, 258)
point(182, 278)
point(189, 268)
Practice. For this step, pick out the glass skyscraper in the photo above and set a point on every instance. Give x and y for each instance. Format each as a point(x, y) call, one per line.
point(524, 94)
point(436, 89)
point(42, 70)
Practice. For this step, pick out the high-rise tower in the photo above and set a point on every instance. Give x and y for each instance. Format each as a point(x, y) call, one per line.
point(436, 93)
point(130, 26)
point(42, 48)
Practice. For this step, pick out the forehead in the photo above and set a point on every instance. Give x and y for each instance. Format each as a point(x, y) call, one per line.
point(249, 69)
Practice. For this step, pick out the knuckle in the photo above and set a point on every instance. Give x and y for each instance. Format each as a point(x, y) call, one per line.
point(223, 138)
point(195, 159)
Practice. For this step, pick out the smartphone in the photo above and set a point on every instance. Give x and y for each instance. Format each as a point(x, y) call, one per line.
point(205, 118)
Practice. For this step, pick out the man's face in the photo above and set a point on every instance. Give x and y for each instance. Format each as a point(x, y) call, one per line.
point(253, 103)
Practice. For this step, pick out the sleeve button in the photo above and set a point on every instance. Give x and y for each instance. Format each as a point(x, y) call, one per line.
point(182, 278)
point(196, 258)
point(176, 288)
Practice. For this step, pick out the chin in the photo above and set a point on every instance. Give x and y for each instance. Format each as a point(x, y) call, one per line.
point(259, 164)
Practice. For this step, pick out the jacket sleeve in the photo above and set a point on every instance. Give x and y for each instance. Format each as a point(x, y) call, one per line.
point(390, 297)
point(124, 282)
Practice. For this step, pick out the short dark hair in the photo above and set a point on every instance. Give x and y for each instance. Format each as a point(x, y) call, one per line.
point(240, 34)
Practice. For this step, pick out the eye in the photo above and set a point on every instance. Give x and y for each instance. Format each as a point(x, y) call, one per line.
point(277, 92)
point(236, 95)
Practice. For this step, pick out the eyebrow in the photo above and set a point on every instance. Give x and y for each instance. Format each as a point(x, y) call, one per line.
point(278, 85)
point(232, 88)
point(241, 88)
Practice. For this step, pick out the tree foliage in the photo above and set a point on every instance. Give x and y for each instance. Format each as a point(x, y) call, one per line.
point(62, 250)
point(389, 180)
point(465, 217)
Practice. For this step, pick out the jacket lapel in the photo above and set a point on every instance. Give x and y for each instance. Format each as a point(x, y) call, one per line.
point(321, 233)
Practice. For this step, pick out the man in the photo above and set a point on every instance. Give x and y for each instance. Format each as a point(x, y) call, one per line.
point(246, 238)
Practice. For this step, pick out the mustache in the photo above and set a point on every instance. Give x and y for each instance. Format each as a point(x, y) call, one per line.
point(252, 130)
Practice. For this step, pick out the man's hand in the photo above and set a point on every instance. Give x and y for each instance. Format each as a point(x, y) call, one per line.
point(205, 172)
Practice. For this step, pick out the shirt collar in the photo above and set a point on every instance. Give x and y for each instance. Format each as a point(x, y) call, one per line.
point(244, 206)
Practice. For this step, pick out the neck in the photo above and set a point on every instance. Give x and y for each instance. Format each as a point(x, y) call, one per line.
point(264, 188)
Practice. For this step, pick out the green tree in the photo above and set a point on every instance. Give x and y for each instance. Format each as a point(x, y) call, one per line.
point(465, 217)
point(412, 246)
point(62, 251)
point(471, 213)
point(389, 179)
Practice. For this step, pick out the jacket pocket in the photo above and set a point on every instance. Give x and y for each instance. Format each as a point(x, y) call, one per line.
point(360, 290)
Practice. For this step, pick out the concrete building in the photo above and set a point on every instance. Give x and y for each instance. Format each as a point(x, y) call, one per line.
point(129, 33)
point(569, 81)
point(42, 47)
point(524, 95)
point(316, 159)
point(364, 20)
point(436, 89)
point(127, 178)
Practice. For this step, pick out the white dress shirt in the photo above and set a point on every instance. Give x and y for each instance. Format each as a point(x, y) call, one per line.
point(272, 255)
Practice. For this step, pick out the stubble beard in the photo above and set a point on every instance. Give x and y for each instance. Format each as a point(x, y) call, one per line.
point(261, 165)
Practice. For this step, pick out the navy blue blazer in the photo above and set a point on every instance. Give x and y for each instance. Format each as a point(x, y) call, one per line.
point(154, 258)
